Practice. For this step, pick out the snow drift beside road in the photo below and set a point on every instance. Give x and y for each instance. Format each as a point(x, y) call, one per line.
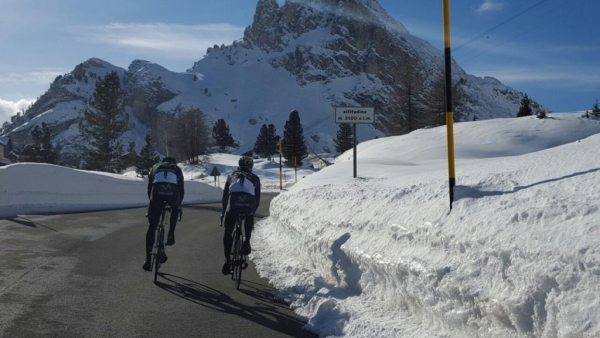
point(33, 188)
point(382, 255)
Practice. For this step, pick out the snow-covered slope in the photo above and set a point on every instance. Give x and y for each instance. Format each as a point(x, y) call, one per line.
point(383, 256)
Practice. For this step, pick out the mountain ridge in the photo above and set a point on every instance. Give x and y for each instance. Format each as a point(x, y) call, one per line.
point(307, 55)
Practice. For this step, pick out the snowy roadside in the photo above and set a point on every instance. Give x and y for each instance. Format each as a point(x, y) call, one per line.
point(382, 256)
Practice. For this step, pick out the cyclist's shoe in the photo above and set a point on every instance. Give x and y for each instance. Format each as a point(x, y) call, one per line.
point(171, 239)
point(246, 249)
point(147, 265)
point(163, 258)
point(226, 268)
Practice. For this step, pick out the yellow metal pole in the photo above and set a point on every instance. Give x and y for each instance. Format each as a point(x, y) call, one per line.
point(279, 146)
point(449, 108)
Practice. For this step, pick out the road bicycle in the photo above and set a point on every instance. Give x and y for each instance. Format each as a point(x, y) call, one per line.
point(238, 260)
point(158, 250)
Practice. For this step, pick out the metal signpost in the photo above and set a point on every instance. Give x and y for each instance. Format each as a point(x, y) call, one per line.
point(354, 115)
point(215, 173)
point(279, 149)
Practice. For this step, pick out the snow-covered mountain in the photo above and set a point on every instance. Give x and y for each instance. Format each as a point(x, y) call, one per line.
point(308, 55)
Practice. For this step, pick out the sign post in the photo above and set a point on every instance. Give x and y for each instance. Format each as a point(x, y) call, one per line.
point(279, 149)
point(215, 173)
point(354, 115)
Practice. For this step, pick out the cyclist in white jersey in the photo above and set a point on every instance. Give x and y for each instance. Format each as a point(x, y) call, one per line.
point(165, 184)
point(241, 194)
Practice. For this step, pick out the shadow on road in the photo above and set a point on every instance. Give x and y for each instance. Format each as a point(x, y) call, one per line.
point(29, 223)
point(261, 312)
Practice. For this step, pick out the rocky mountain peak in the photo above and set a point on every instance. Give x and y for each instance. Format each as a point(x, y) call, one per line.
point(272, 23)
point(265, 31)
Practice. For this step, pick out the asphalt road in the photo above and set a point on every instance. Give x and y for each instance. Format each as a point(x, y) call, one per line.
point(80, 275)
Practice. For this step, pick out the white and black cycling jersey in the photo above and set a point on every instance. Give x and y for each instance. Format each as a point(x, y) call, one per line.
point(242, 184)
point(165, 176)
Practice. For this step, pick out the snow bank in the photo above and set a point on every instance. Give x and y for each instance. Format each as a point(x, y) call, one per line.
point(30, 188)
point(382, 255)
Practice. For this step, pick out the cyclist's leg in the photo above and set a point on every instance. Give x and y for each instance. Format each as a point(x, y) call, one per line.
point(174, 203)
point(228, 224)
point(154, 211)
point(227, 235)
point(248, 227)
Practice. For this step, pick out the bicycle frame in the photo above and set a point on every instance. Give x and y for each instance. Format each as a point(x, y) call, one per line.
point(238, 260)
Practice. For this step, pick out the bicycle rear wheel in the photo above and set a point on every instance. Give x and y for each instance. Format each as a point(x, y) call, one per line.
point(237, 258)
point(159, 252)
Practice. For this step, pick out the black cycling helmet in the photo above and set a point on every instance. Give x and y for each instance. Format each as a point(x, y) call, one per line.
point(169, 159)
point(246, 163)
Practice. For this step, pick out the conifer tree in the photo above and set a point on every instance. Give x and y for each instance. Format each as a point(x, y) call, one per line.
point(344, 139)
point(294, 148)
point(596, 109)
point(11, 151)
point(147, 158)
point(273, 139)
point(525, 109)
point(104, 121)
point(41, 150)
point(222, 135)
point(266, 141)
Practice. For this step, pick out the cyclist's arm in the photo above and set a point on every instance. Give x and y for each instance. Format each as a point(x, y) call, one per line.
point(225, 198)
point(180, 184)
point(257, 192)
point(150, 180)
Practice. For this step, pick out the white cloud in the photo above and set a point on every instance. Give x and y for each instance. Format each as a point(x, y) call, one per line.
point(554, 76)
point(10, 108)
point(36, 77)
point(165, 38)
point(489, 6)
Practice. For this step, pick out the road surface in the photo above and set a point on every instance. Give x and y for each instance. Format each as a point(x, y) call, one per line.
point(80, 275)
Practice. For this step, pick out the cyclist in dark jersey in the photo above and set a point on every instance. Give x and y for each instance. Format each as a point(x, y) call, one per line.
point(165, 184)
point(241, 194)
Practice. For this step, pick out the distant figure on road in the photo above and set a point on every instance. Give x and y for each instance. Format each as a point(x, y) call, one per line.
point(165, 184)
point(240, 195)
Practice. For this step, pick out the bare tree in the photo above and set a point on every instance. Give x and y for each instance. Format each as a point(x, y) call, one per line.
point(191, 135)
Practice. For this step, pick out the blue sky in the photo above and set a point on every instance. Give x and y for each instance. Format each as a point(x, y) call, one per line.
point(546, 48)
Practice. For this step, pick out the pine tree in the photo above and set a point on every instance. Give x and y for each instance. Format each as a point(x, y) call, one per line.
point(104, 121)
point(147, 158)
point(344, 138)
point(273, 139)
point(266, 141)
point(11, 151)
point(49, 151)
point(222, 135)
point(525, 109)
point(41, 150)
point(260, 146)
point(596, 109)
point(294, 148)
